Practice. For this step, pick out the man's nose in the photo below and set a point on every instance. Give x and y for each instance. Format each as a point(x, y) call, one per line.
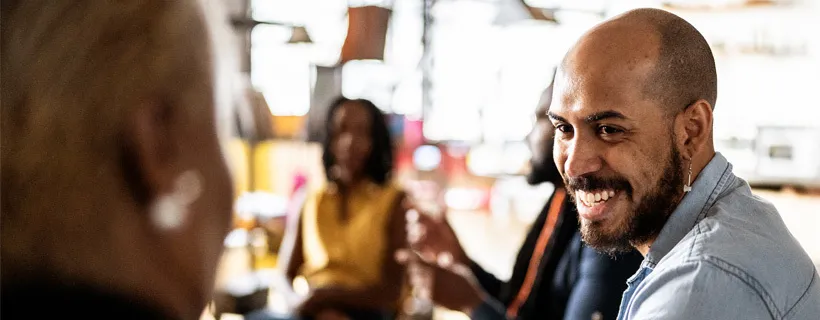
point(582, 158)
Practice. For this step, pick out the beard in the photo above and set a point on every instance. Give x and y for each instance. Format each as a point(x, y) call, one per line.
point(645, 219)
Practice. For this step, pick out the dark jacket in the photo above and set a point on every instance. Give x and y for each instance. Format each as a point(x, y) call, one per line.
point(574, 282)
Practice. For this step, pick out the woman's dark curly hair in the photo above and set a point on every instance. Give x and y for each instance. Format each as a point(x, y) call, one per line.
point(379, 164)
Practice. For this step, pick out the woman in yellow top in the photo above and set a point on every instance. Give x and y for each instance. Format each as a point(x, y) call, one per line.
point(349, 228)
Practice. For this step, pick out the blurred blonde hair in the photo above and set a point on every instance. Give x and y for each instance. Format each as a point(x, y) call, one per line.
point(73, 72)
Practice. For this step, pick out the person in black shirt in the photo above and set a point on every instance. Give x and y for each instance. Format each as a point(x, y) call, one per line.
point(555, 275)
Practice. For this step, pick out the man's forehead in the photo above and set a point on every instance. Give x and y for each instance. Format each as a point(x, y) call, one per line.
point(572, 105)
point(589, 91)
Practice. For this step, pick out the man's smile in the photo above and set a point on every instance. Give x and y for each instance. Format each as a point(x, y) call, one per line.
point(596, 204)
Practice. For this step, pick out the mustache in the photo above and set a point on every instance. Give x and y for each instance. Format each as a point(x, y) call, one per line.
point(591, 183)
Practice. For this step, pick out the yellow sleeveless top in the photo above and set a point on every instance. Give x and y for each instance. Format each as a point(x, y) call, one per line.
point(347, 253)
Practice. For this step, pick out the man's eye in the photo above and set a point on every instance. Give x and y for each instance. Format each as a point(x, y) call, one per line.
point(607, 130)
point(564, 128)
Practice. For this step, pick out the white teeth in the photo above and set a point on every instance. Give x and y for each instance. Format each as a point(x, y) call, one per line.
point(583, 197)
point(592, 199)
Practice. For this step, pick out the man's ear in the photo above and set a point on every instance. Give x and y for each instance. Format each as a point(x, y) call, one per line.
point(694, 127)
point(149, 139)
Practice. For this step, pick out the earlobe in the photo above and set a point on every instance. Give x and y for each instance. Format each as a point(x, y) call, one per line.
point(169, 211)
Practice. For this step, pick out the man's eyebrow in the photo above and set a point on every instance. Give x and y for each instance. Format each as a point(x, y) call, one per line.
point(555, 117)
point(598, 116)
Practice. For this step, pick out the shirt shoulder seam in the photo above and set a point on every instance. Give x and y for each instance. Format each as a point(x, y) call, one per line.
point(748, 280)
point(805, 292)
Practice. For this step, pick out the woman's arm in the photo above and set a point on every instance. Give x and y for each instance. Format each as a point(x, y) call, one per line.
point(393, 272)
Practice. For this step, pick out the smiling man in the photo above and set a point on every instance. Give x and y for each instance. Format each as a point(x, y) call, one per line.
point(633, 118)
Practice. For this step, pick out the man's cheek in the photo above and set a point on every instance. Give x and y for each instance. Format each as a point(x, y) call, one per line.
point(559, 157)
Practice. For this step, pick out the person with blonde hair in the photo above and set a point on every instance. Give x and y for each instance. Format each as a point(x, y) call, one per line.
point(115, 193)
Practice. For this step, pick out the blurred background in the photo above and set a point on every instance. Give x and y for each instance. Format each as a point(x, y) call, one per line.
point(460, 80)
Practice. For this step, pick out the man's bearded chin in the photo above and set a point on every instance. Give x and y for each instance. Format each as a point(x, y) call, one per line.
point(646, 220)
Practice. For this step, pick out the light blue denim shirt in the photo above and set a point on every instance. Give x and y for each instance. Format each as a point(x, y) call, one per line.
point(724, 253)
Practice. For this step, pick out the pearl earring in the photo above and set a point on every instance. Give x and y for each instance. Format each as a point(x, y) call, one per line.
point(169, 211)
point(688, 186)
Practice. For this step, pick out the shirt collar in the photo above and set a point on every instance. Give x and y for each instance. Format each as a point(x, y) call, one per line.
point(709, 184)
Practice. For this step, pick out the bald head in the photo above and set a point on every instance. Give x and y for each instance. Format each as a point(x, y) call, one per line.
point(662, 52)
